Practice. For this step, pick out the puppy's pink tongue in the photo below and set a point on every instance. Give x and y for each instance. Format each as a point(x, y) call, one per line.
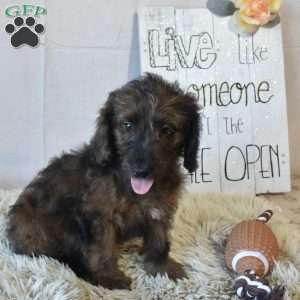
point(141, 186)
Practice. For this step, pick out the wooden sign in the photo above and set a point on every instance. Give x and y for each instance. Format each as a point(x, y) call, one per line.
point(239, 82)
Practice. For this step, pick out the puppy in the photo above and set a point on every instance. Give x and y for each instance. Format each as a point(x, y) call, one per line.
point(124, 183)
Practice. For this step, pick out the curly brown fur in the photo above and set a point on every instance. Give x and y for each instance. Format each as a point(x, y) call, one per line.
point(83, 204)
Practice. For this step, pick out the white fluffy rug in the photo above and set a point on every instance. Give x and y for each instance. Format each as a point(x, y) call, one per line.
point(201, 226)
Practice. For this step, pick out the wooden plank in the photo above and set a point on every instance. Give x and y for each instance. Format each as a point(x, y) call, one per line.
point(196, 37)
point(156, 24)
point(235, 123)
point(272, 171)
point(183, 62)
point(239, 138)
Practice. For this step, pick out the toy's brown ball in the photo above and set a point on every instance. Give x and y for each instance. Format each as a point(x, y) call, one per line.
point(252, 246)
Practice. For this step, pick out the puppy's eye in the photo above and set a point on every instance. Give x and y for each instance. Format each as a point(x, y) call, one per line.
point(127, 125)
point(167, 130)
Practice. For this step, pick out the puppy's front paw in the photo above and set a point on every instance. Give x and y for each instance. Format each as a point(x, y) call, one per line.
point(171, 267)
point(175, 270)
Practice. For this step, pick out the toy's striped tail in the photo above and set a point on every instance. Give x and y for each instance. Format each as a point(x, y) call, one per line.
point(265, 216)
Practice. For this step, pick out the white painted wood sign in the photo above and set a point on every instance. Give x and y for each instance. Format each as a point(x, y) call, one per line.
point(239, 82)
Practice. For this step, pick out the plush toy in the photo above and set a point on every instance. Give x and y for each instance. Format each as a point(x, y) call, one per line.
point(250, 251)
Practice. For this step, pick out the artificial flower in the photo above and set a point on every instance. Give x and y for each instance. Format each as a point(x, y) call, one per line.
point(251, 14)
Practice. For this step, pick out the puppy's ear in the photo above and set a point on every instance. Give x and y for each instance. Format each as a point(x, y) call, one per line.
point(102, 141)
point(192, 136)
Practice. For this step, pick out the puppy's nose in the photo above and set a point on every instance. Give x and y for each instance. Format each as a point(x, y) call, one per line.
point(141, 173)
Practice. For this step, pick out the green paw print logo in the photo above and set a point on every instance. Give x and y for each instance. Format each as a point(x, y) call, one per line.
point(25, 28)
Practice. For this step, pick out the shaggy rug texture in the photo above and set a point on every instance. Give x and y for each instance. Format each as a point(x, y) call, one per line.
point(201, 226)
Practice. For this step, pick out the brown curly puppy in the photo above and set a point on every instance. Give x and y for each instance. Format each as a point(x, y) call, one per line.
point(123, 184)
